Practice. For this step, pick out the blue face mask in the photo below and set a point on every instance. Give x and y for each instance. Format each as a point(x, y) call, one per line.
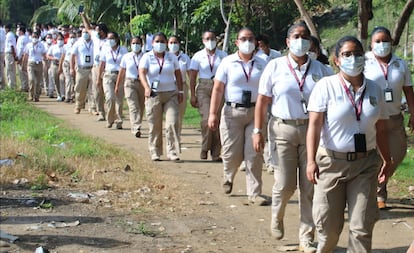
point(112, 42)
point(86, 36)
point(352, 65)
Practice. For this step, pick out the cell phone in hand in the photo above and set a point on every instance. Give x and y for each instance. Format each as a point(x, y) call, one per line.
point(80, 9)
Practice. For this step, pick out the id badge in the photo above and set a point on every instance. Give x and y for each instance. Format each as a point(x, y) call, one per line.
point(304, 106)
point(97, 58)
point(87, 58)
point(360, 143)
point(388, 95)
point(246, 98)
point(154, 87)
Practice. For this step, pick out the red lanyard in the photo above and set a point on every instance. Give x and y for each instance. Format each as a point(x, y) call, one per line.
point(384, 70)
point(302, 81)
point(250, 70)
point(160, 64)
point(211, 62)
point(358, 109)
point(116, 56)
point(133, 57)
point(90, 44)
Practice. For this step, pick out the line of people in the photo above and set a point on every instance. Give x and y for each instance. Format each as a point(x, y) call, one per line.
point(336, 137)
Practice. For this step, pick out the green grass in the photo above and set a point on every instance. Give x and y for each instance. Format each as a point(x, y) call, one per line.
point(191, 116)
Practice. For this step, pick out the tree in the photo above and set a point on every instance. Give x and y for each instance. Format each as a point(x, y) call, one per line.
point(308, 20)
point(402, 21)
point(364, 15)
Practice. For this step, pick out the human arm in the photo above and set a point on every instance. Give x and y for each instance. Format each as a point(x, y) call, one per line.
point(179, 81)
point(409, 96)
point(144, 81)
point(100, 73)
point(259, 117)
point(193, 77)
point(216, 98)
point(312, 144)
point(72, 65)
point(120, 79)
point(383, 148)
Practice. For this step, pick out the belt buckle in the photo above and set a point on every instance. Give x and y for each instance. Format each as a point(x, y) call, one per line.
point(234, 105)
point(351, 156)
point(37, 62)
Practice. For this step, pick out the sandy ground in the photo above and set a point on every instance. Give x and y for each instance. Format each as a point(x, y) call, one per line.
point(208, 221)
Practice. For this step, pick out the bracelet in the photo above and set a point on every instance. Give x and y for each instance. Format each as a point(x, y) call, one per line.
point(180, 92)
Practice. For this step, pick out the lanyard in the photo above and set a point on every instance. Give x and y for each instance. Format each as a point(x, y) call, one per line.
point(160, 64)
point(211, 62)
point(250, 70)
point(133, 57)
point(384, 70)
point(302, 81)
point(34, 49)
point(358, 109)
point(88, 47)
point(116, 56)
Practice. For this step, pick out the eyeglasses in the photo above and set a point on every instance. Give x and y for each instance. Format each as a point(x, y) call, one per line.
point(350, 53)
point(243, 39)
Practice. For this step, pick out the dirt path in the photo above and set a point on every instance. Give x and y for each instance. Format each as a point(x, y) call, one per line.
point(209, 221)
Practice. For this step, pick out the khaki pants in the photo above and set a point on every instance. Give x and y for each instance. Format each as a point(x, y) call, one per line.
point(98, 93)
point(35, 76)
point(135, 96)
point(23, 75)
point(69, 82)
point(183, 107)
point(46, 78)
point(57, 81)
point(83, 80)
point(114, 102)
point(10, 65)
point(2, 79)
point(344, 183)
point(236, 129)
point(290, 173)
point(210, 139)
point(397, 141)
point(155, 107)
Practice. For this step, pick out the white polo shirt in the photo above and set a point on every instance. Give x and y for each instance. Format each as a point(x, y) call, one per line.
point(2, 39)
point(206, 64)
point(278, 82)
point(398, 75)
point(184, 61)
point(112, 58)
point(98, 45)
point(273, 54)
point(67, 50)
point(130, 63)
point(239, 76)
point(22, 41)
point(83, 50)
point(35, 52)
point(340, 123)
point(55, 51)
point(165, 76)
point(10, 41)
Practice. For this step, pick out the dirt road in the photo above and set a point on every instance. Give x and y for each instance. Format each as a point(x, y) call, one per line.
point(209, 221)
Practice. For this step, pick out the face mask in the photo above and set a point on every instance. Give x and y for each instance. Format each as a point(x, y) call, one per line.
point(173, 47)
point(49, 41)
point(210, 44)
point(98, 36)
point(312, 55)
point(54, 36)
point(35, 40)
point(112, 42)
point(85, 36)
point(246, 47)
point(136, 47)
point(72, 40)
point(352, 65)
point(299, 47)
point(159, 47)
point(382, 49)
point(60, 43)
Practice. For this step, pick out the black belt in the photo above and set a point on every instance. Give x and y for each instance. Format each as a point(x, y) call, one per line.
point(236, 105)
point(132, 79)
point(85, 67)
point(112, 72)
point(349, 156)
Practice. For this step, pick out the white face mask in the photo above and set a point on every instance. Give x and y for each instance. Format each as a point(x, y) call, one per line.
point(35, 40)
point(72, 40)
point(382, 49)
point(49, 41)
point(112, 42)
point(210, 44)
point(246, 47)
point(352, 65)
point(159, 47)
point(86, 36)
point(136, 47)
point(299, 47)
point(173, 47)
point(60, 43)
point(312, 55)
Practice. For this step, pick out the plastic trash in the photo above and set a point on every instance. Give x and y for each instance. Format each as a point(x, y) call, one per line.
point(6, 162)
point(41, 250)
point(60, 145)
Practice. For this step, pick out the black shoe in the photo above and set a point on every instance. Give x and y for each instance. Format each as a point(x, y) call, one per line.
point(138, 134)
point(228, 187)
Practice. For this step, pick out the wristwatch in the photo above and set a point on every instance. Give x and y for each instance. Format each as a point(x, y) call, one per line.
point(257, 130)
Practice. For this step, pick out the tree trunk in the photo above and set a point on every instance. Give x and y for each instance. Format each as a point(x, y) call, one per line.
point(364, 14)
point(308, 20)
point(227, 22)
point(399, 26)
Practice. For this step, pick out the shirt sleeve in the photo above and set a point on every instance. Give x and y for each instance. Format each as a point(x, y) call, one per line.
point(195, 65)
point(319, 97)
point(221, 73)
point(266, 83)
point(123, 62)
point(144, 63)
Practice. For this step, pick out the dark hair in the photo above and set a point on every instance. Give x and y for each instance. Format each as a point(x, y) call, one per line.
point(381, 29)
point(60, 35)
point(345, 39)
point(160, 34)
point(263, 38)
point(8, 26)
point(36, 33)
point(136, 37)
point(294, 26)
point(245, 29)
point(22, 29)
point(321, 57)
point(209, 31)
point(102, 27)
